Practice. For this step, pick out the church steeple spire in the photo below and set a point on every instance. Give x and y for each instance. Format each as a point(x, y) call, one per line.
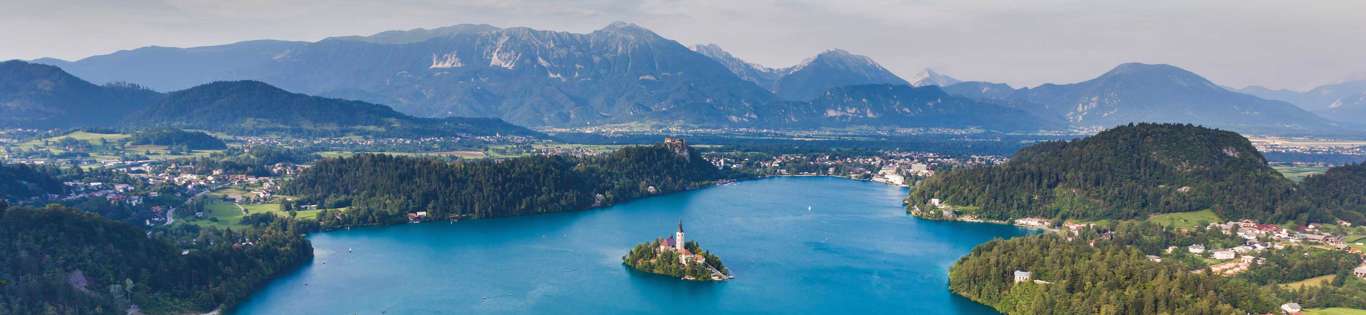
point(678, 237)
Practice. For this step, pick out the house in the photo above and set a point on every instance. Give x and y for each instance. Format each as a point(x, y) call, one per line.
point(416, 217)
point(1360, 271)
point(1022, 276)
point(1196, 249)
point(1291, 308)
point(1038, 222)
point(1225, 254)
point(1154, 258)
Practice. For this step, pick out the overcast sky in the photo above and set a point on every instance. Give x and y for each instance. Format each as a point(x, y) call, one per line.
point(1275, 43)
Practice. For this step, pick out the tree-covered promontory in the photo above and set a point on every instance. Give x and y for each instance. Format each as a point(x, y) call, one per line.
point(381, 189)
point(60, 260)
point(1126, 172)
point(1099, 271)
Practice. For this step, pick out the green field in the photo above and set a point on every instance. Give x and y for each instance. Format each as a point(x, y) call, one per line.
point(1334, 311)
point(1298, 173)
point(220, 213)
point(111, 151)
point(1311, 282)
point(1185, 220)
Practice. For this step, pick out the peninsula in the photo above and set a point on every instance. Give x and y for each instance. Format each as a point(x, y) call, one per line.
point(674, 256)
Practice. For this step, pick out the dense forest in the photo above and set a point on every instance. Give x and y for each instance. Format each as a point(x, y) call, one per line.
point(65, 261)
point(380, 189)
point(1340, 191)
point(1107, 278)
point(645, 257)
point(190, 140)
point(21, 181)
point(1106, 270)
point(1127, 172)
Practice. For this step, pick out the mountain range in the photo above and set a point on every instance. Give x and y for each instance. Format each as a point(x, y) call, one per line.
point(43, 96)
point(624, 74)
point(621, 74)
point(1137, 92)
point(809, 79)
point(1344, 101)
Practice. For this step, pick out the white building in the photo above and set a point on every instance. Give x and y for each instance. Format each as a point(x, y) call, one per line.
point(1196, 249)
point(1360, 271)
point(1291, 308)
point(1225, 254)
point(1022, 276)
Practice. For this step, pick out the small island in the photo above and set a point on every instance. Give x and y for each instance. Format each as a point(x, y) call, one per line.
point(673, 256)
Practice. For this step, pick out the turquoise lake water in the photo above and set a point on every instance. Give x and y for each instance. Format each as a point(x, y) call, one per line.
point(855, 251)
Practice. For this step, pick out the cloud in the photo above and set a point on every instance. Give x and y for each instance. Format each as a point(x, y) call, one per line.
point(1022, 42)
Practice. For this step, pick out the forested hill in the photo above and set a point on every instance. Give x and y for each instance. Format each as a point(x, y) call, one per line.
point(382, 189)
point(1091, 274)
point(42, 96)
point(1126, 172)
point(251, 107)
point(1340, 192)
point(20, 181)
point(66, 261)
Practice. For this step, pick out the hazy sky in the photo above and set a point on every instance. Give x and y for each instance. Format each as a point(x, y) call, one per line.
point(1275, 43)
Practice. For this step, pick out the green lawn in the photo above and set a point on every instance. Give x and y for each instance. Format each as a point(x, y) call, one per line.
point(1334, 311)
point(1311, 282)
point(1298, 173)
point(224, 214)
point(1185, 220)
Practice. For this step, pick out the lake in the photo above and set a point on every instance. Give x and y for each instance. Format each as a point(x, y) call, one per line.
point(797, 245)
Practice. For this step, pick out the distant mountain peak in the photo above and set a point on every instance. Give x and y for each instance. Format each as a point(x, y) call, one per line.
point(620, 27)
point(1132, 68)
point(930, 77)
point(839, 57)
point(1158, 75)
point(717, 53)
point(239, 84)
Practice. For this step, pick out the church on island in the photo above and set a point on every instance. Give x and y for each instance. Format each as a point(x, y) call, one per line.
point(675, 243)
point(676, 256)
